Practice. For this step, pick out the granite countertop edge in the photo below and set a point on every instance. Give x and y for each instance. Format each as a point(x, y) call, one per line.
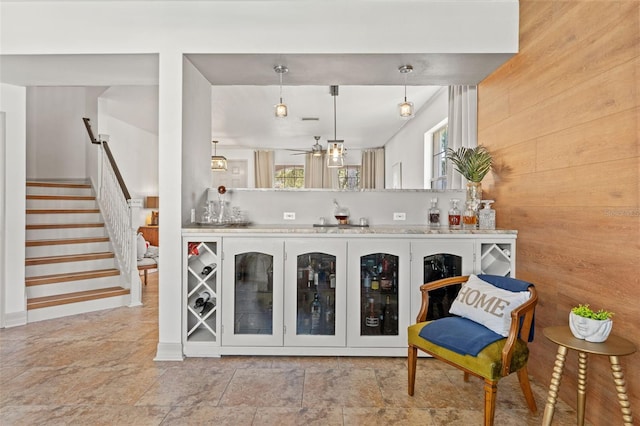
point(355, 230)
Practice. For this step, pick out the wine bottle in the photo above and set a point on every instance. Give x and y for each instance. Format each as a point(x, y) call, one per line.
point(203, 297)
point(207, 269)
point(388, 327)
point(206, 308)
point(316, 314)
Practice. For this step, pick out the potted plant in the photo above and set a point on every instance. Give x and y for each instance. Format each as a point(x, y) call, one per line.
point(473, 164)
point(590, 325)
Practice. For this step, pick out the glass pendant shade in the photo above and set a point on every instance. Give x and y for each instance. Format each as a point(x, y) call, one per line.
point(335, 154)
point(406, 109)
point(281, 109)
point(218, 162)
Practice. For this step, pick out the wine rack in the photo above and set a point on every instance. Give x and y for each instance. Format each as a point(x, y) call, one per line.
point(496, 259)
point(201, 298)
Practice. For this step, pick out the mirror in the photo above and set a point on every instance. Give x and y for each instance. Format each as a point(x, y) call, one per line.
point(366, 117)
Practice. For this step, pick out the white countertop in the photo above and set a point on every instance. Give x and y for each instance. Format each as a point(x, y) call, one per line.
point(335, 230)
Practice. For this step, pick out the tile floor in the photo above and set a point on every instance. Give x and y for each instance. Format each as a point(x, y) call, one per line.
point(98, 368)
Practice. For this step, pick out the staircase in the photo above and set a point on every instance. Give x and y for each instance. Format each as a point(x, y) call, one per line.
point(70, 266)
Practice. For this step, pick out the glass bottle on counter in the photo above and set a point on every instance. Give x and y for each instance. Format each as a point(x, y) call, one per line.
point(454, 214)
point(434, 214)
point(469, 218)
point(487, 216)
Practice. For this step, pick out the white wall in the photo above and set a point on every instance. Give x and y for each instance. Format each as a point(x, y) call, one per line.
point(129, 115)
point(13, 104)
point(196, 139)
point(91, 154)
point(172, 28)
point(407, 146)
point(57, 140)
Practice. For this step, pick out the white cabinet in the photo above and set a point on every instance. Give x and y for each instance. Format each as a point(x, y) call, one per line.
point(252, 300)
point(378, 279)
point(315, 298)
point(201, 303)
point(435, 259)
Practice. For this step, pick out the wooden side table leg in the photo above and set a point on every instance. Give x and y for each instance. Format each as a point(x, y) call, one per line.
point(556, 376)
point(621, 389)
point(582, 386)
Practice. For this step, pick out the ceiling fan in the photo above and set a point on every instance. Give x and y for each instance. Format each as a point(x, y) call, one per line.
point(316, 149)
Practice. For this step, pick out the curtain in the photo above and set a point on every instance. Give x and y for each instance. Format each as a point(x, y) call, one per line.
point(372, 170)
point(314, 171)
point(463, 126)
point(263, 164)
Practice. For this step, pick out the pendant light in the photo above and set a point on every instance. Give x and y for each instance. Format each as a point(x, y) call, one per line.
point(405, 108)
point(335, 147)
point(281, 108)
point(218, 162)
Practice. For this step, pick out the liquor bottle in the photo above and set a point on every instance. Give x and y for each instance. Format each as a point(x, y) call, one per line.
point(372, 320)
point(207, 269)
point(366, 282)
point(375, 283)
point(388, 326)
point(394, 283)
point(454, 214)
point(311, 274)
point(469, 218)
point(434, 214)
point(329, 317)
point(316, 314)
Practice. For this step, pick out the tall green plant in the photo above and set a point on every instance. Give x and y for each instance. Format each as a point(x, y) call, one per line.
point(472, 163)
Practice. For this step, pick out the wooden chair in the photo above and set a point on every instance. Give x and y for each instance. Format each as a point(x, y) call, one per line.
point(495, 361)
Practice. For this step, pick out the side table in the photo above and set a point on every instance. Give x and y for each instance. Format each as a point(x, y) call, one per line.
point(613, 347)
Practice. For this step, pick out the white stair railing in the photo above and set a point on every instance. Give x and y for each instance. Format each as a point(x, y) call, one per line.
point(119, 211)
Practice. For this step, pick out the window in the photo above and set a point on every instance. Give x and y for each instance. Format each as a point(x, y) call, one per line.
point(349, 177)
point(439, 145)
point(289, 176)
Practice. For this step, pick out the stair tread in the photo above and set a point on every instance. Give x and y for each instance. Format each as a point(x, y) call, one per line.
point(65, 225)
point(78, 296)
point(59, 184)
point(59, 241)
point(62, 197)
point(61, 211)
point(70, 276)
point(68, 258)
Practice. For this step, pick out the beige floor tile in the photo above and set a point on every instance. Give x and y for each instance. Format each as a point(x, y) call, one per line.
point(341, 388)
point(264, 388)
point(270, 416)
point(387, 416)
point(208, 415)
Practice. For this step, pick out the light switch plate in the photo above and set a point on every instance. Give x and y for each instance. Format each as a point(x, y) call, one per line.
point(289, 216)
point(399, 216)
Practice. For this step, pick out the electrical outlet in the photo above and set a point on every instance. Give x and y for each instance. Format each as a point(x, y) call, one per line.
point(399, 216)
point(289, 216)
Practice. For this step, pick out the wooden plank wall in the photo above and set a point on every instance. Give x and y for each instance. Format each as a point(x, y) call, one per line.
point(561, 118)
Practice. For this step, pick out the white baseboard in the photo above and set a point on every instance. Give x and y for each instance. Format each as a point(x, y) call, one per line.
point(169, 352)
point(15, 319)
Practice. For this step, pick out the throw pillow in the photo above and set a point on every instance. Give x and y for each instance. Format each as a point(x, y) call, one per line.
point(141, 246)
point(488, 305)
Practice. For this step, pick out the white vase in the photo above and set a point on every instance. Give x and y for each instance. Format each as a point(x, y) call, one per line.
point(588, 329)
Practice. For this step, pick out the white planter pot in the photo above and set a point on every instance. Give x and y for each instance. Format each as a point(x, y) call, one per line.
point(589, 329)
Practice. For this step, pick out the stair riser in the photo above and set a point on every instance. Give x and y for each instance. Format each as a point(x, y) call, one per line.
point(72, 286)
point(33, 219)
point(61, 204)
point(62, 233)
point(37, 190)
point(58, 250)
point(61, 268)
point(34, 315)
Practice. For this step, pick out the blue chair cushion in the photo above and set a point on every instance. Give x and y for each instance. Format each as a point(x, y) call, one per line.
point(460, 335)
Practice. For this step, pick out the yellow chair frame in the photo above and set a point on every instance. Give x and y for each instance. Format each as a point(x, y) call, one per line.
point(521, 323)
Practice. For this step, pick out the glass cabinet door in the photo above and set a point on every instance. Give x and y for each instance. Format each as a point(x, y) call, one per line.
point(315, 293)
point(379, 293)
point(434, 261)
point(252, 297)
point(201, 296)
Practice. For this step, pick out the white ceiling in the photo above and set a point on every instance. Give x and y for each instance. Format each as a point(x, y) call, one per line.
point(245, 88)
